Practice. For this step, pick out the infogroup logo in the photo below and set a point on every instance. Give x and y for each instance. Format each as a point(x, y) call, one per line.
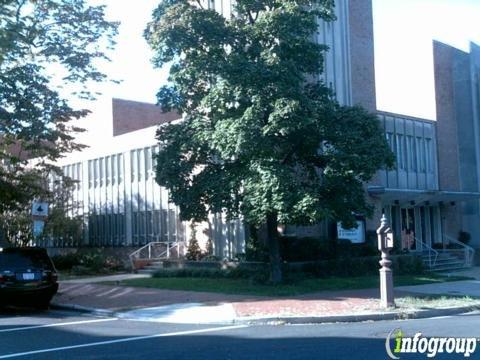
point(398, 343)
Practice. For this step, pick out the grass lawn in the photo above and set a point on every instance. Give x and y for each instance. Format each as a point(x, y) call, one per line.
point(246, 287)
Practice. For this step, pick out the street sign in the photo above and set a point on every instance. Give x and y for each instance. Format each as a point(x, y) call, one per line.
point(40, 209)
point(38, 226)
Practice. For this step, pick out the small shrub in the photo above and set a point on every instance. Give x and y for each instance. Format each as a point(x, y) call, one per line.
point(464, 237)
point(66, 262)
point(92, 261)
point(293, 248)
point(193, 250)
point(408, 265)
point(211, 258)
point(361, 266)
point(257, 275)
point(254, 249)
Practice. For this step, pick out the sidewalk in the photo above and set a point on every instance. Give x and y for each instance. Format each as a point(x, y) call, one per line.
point(201, 307)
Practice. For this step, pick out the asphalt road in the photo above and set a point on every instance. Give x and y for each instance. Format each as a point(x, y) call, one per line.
point(25, 334)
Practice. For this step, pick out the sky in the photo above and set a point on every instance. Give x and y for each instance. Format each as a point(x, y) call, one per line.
point(403, 33)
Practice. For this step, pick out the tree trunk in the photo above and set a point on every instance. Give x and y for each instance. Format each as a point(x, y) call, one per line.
point(274, 249)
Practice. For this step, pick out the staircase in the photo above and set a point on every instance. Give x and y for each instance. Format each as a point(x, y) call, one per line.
point(150, 257)
point(445, 261)
point(458, 256)
point(151, 267)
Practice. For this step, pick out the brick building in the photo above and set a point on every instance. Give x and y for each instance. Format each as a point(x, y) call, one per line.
point(430, 196)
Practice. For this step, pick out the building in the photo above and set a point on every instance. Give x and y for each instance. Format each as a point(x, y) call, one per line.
point(430, 196)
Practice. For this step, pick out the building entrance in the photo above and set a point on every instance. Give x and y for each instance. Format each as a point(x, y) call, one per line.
point(416, 227)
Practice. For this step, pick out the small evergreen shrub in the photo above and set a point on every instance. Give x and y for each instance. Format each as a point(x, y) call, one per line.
point(464, 237)
point(193, 250)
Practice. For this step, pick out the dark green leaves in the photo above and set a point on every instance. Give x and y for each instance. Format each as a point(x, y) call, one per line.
point(260, 135)
point(41, 41)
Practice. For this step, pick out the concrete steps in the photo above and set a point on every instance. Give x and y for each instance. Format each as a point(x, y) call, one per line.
point(444, 262)
point(150, 269)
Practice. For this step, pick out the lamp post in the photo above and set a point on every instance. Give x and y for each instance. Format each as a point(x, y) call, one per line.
point(385, 244)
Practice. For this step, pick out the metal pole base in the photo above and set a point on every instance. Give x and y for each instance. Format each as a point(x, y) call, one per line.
point(386, 288)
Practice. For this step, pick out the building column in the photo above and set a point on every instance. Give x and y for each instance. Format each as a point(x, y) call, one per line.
point(85, 201)
point(127, 166)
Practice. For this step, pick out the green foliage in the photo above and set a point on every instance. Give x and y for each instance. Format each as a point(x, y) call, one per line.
point(67, 261)
point(17, 227)
point(255, 274)
point(92, 261)
point(260, 134)
point(17, 224)
point(340, 267)
point(61, 225)
point(48, 49)
point(464, 237)
point(313, 249)
point(353, 266)
point(304, 249)
point(193, 250)
point(254, 249)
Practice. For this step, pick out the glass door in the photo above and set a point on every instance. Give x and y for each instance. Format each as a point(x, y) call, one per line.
point(407, 231)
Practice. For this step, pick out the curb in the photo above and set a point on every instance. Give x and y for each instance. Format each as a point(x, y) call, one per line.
point(297, 320)
point(83, 309)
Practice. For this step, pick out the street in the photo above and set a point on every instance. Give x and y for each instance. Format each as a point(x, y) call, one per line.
point(55, 334)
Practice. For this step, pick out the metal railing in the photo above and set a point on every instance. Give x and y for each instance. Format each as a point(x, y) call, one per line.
point(432, 253)
point(158, 250)
point(465, 251)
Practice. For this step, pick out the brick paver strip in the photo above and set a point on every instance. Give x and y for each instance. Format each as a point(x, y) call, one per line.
point(317, 304)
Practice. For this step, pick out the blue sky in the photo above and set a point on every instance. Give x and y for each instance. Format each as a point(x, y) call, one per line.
point(404, 30)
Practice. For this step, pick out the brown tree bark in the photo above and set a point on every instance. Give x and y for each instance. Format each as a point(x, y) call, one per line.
point(274, 249)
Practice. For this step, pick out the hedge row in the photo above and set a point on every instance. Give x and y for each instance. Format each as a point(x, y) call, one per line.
point(343, 267)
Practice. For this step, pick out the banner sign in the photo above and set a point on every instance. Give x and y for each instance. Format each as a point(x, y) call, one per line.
point(355, 235)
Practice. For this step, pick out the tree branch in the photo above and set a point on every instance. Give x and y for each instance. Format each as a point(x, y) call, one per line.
point(250, 17)
point(200, 4)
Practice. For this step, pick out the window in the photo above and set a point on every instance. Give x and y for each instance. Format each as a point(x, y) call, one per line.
point(114, 169)
point(401, 161)
point(96, 172)
point(102, 170)
point(148, 163)
point(108, 170)
point(420, 154)
point(411, 156)
point(90, 174)
point(389, 137)
point(120, 167)
point(429, 155)
point(133, 165)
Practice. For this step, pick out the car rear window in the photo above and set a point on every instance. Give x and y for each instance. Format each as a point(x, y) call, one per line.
point(22, 259)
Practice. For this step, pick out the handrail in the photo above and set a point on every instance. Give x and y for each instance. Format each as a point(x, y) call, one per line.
point(430, 251)
point(469, 252)
point(166, 254)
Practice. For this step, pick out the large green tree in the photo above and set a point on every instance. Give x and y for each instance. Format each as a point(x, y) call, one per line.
point(44, 45)
point(262, 136)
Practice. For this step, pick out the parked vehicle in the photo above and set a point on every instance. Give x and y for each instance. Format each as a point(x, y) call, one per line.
point(27, 277)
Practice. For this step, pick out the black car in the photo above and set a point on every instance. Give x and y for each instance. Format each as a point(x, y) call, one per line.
point(27, 277)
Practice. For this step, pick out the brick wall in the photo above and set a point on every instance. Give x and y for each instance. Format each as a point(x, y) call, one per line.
point(129, 116)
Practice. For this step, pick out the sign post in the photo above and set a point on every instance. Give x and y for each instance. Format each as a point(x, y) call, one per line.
point(39, 214)
point(385, 244)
